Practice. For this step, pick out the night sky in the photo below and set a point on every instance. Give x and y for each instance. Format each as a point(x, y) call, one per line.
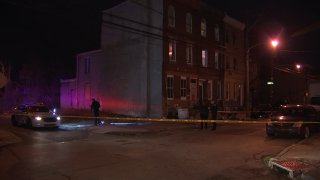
point(43, 31)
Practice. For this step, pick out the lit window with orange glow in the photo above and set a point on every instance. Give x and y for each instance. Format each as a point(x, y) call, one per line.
point(172, 50)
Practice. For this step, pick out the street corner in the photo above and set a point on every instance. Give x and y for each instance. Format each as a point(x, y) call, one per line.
point(294, 168)
point(7, 138)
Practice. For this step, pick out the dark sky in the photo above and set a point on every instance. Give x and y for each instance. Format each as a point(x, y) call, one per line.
point(53, 30)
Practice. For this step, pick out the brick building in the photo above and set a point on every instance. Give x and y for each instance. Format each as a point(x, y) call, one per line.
point(157, 55)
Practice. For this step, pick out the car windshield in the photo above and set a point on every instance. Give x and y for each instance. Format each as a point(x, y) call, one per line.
point(293, 111)
point(38, 109)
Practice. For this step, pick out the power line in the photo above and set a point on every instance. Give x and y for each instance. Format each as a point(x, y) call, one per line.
point(152, 27)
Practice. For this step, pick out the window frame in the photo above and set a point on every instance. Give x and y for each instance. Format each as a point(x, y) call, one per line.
point(216, 32)
point(87, 65)
point(216, 60)
point(203, 27)
point(183, 88)
point(189, 53)
point(204, 57)
point(171, 16)
point(219, 89)
point(172, 47)
point(170, 87)
point(189, 22)
point(210, 88)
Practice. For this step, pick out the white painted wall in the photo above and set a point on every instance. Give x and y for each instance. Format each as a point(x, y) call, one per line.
point(132, 58)
point(68, 94)
point(88, 83)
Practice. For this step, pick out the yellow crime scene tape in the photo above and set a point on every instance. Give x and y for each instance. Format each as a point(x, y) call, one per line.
point(260, 121)
point(235, 121)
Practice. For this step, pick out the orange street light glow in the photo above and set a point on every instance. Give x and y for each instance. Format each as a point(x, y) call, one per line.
point(274, 43)
point(298, 66)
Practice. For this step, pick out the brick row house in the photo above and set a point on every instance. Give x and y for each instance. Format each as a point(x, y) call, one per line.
point(157, 55)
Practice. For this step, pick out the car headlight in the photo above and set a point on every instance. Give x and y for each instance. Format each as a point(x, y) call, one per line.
point(58, 118)
point(38, 118)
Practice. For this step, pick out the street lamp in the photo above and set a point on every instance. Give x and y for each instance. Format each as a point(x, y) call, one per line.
point(274, 44)
point(303, 70)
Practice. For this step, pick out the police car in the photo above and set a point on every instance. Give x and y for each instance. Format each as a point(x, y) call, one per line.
point(34, 115)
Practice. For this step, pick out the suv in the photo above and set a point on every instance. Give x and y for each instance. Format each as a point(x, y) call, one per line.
point(34, 115)
point(301, 120)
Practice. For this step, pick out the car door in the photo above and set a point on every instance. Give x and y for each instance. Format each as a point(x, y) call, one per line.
point(21, 114)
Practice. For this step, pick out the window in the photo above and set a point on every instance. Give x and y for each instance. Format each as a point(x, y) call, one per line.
point(203, 28)
point(171, 16)
point(219, 89)
point(228, 91)
point(216, 59)
point(209, 90)
point(189, 23)
point(216, 32)
point(183, 88)
point(234, 38)
point(189, 53)
point(87, 92)
point(235, 63)
point(170, 85)
point(226, 36)
point(227, 62)
point(204, 57)
point(172, 50)
point(87, 65)
point(235, 90)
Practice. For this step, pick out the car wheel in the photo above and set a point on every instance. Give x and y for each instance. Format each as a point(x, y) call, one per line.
point(270, 134)
point(305, 132)
point(29, 123)
point(14, 121)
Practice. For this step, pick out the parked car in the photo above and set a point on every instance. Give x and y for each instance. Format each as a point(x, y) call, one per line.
point(301, 120)
point(34, 115)
point(262, 111)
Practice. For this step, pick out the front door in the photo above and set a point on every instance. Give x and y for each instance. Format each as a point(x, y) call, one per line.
point(202, 90)
point(193, 89)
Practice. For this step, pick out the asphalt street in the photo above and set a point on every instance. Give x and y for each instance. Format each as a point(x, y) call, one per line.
point(79, 150)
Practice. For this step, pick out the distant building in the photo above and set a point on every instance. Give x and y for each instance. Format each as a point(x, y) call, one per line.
point(158, 55)
point(234, 71)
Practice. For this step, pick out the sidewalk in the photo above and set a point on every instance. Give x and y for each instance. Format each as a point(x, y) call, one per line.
point(299, 161)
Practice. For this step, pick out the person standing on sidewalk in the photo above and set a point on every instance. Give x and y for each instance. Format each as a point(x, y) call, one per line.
point(214, 112)
point(204, 111)
point(95, 106)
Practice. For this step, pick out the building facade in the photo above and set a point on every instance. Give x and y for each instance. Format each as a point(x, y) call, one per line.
point(159, 55)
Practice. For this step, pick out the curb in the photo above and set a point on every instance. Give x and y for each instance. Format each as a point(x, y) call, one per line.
point(292, 168)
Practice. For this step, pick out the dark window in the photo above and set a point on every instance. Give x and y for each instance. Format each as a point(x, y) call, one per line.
point(87, 65)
